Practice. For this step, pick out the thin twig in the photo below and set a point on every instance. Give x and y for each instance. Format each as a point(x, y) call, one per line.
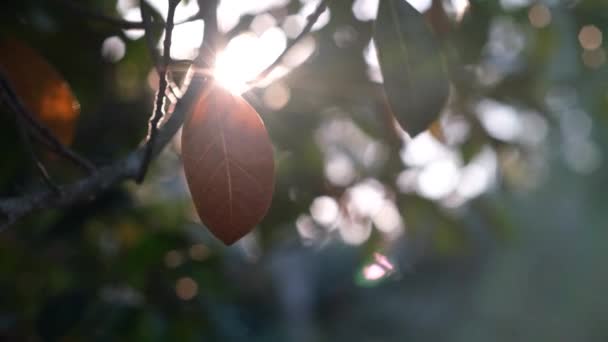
point(197, 16)
point(311, 21)
point(151, 44)
point(160, 95)
point(145, 15)
point(27, 144)
point(43, 133)
point(212, 39)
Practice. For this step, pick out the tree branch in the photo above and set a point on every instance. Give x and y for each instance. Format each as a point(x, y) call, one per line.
point(146, 15)
point(211, 38)
point(127, 168)
point(160, 95)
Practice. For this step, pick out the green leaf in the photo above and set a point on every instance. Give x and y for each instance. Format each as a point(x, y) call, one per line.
point(413, 67)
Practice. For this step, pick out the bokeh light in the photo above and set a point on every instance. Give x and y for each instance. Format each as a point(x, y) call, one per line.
point(276, 96)
point(590, 37)
point(325, 210)
point(113, 49)
point(539, 16)
point(594, 59)
point(376, 271)
point(500, 120)
point(365, 10)
point(421, 5)
point(199, 252)
point(174, 259)
point(186, 288)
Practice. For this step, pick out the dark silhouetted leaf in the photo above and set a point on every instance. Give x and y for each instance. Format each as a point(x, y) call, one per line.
point(413, 68)
point(228, 160)
point(40, 87)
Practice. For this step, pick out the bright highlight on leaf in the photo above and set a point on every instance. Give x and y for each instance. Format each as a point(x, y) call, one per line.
point(413, 68)
point(40, 87)
point(229, 165)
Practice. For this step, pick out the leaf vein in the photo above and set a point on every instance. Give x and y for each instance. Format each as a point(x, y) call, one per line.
point(228, 174)
point(247, 173)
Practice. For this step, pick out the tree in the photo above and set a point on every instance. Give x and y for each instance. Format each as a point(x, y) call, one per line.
point(420, 161)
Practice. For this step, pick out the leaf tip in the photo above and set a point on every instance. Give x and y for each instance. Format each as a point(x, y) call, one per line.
point(228, 238)
point(229, 241)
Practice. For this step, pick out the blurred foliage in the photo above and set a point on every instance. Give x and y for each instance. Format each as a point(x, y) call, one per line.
point(496, 233)
point(43, 91)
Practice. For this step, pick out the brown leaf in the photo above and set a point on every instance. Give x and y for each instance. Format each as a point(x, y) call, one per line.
point(40, 87)
point(228, 161)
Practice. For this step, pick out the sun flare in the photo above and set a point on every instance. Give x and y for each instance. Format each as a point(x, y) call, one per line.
point(245, 57)
point(232, 74)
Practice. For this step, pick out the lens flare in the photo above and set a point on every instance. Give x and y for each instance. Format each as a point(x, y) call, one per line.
point(246, 56)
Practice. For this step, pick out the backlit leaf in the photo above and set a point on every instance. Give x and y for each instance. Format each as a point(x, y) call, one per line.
point(413, 67)
point(229, 165)
point(40, 87)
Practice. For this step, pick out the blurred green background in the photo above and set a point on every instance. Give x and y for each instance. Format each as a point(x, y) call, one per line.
point(495, 233)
